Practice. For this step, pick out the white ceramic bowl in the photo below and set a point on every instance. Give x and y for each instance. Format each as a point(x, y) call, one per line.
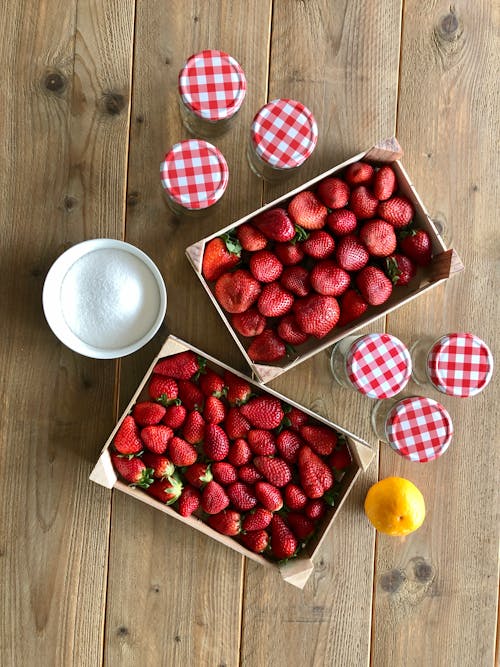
point(104, 298)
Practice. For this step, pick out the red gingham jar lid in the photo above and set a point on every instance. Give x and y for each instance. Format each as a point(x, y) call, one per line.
point(418, 428)
point(194, 173)
point(212, 85)
point(284, 133)
point(378, 365)
point(460, 364)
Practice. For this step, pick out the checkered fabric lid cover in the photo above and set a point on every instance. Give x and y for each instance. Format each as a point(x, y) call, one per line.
point(284, 133)
point(212, 84)
point(194, 173)
point(460, 364)
point(418, 428)
point(378, 365)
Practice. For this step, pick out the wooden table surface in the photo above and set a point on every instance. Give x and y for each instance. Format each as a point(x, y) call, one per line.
point(91, 577)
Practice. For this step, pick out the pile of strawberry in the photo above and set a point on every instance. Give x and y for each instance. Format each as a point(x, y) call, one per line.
point(245, 463)
point(296, 272)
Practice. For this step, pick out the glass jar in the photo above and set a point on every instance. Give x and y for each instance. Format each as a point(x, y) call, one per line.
point(212, 87)
point(418, 428)
point(194, 176)
point(282, 136)
point(457, 364)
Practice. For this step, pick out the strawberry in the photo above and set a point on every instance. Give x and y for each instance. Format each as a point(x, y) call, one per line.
point(341, 222)
point(268, 496)
point(191, 395)
point(315, 509)
point(181, 452)
point(166, 490)
point(374, 285)
point(198, 474)
point(214, 411)
point(249, 474)
point(295, 279)
point(319, 244)
point(156, 437)
point(400, 269)
point(275, 470)
point(235, 425)
point(237, 291)
point(274, 300)
point(221, 254)
point(133, 471)
point(289, 254)
point(363, 202)
point(147, 413)
point(294, 496)
point(288, 444)
point(396, 210)
point(379, 238)
point(249, 323)
point(241, 496)
point(257, 519)
point(227, 522)
point(127, 440)
point(359, 173)
point(261, 442)
point(384, 183)
point(295, 418)
point(212, 384)
point(329, 279)
point(162, 466)
point(315, 476)
point(163, 389)
point(181, 366)
point(238, 389)
point(265, 266)
point(213, 498)
point(175, 415)
point(256, 541)
point(290, 332)
point(307, 211)
point(275, 224)
point(351, 254)
point(317, 314)
point(321, 439)
point(250, 237)
point(263, 412)
point(189, 501)
point(340, 458)
point(416, 244)
point(301, 526)
point(193, 429)
point(352, 306)
point(283, 542)
point(224, 473)
point(216, 443)
point(266, 347)
point(239, 453)
point(333, 192)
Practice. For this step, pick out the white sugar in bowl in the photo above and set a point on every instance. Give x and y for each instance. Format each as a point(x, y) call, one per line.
point(104, 298)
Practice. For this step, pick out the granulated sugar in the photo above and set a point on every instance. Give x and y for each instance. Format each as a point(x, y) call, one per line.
point(110, 298)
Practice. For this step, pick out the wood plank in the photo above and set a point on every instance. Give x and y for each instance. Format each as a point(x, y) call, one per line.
point(55, 404)
point(439, 586)
point(352, 91)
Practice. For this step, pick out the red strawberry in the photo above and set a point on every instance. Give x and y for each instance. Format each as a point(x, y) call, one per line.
point(315, 476)
point(320, 439)
point(238, 389)
point(214, 411)
point(147, 413)
point(156, 437)
point(275, 225)
point(296, 418)
point(166, 490)
point(384, 183)
point(288, 444)
point(341, 222)
point(249, 474)
point(261, 442)
point(256, 541)
point(174, 416)
point(181, 452)
point(189, 501)
point(268, 496)
point(333, 192)
point(396, 210)
point(265, 266)
point(257, 519)
point(319, 244)
point(235, 425)
point(275, 470)
point(351, 254)
point(266, 347)
point(317, 314)
point(315, 509)
point(241, 496)
point(216, 443)
point(193, 429)
point(227, 522)
point(237, 291)
point(301, 526)
point(283, 542)
point(274, 300)
point(352, 306)
point(191, 395)
point(329, 279)
point(359, 173)
point(400, 269)
point(295, 279)
point(181, 366)
point(374, 285)
point(224, 473)
point(213, 498)
point(221, 254)
point(363, 203)
point(295, 498)
point(161, 465)
point(263, 412)
point(162, 389)
point(198, 474)
point(250, 237)
point(340, 458)
point(249, 323)
point(379, 238)
point(127, 440)
point(290, 332)
point(417, 246)
point(133, 471)
point(306, 210)
point(289, 254)
point(239, 453)
point(212, 384)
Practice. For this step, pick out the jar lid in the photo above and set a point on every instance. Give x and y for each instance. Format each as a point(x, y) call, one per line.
point(212, 85)
point(194, 173)
point(460, 364)
point(378, 365)
point(284, 133)
point(418, 428)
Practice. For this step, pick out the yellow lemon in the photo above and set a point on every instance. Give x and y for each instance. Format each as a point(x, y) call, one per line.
point(395, 506)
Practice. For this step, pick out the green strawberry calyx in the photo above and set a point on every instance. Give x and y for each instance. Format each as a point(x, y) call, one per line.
point(300, 234)
point(146, 478)
point(393, 269)
point(232, 244)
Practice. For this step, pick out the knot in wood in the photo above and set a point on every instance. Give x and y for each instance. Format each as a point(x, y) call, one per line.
point(69, 203)
point(55, 81)
point(392, 580)
point(132, 199)
point(113, 103)
point(449, 26)
point(423, 570)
